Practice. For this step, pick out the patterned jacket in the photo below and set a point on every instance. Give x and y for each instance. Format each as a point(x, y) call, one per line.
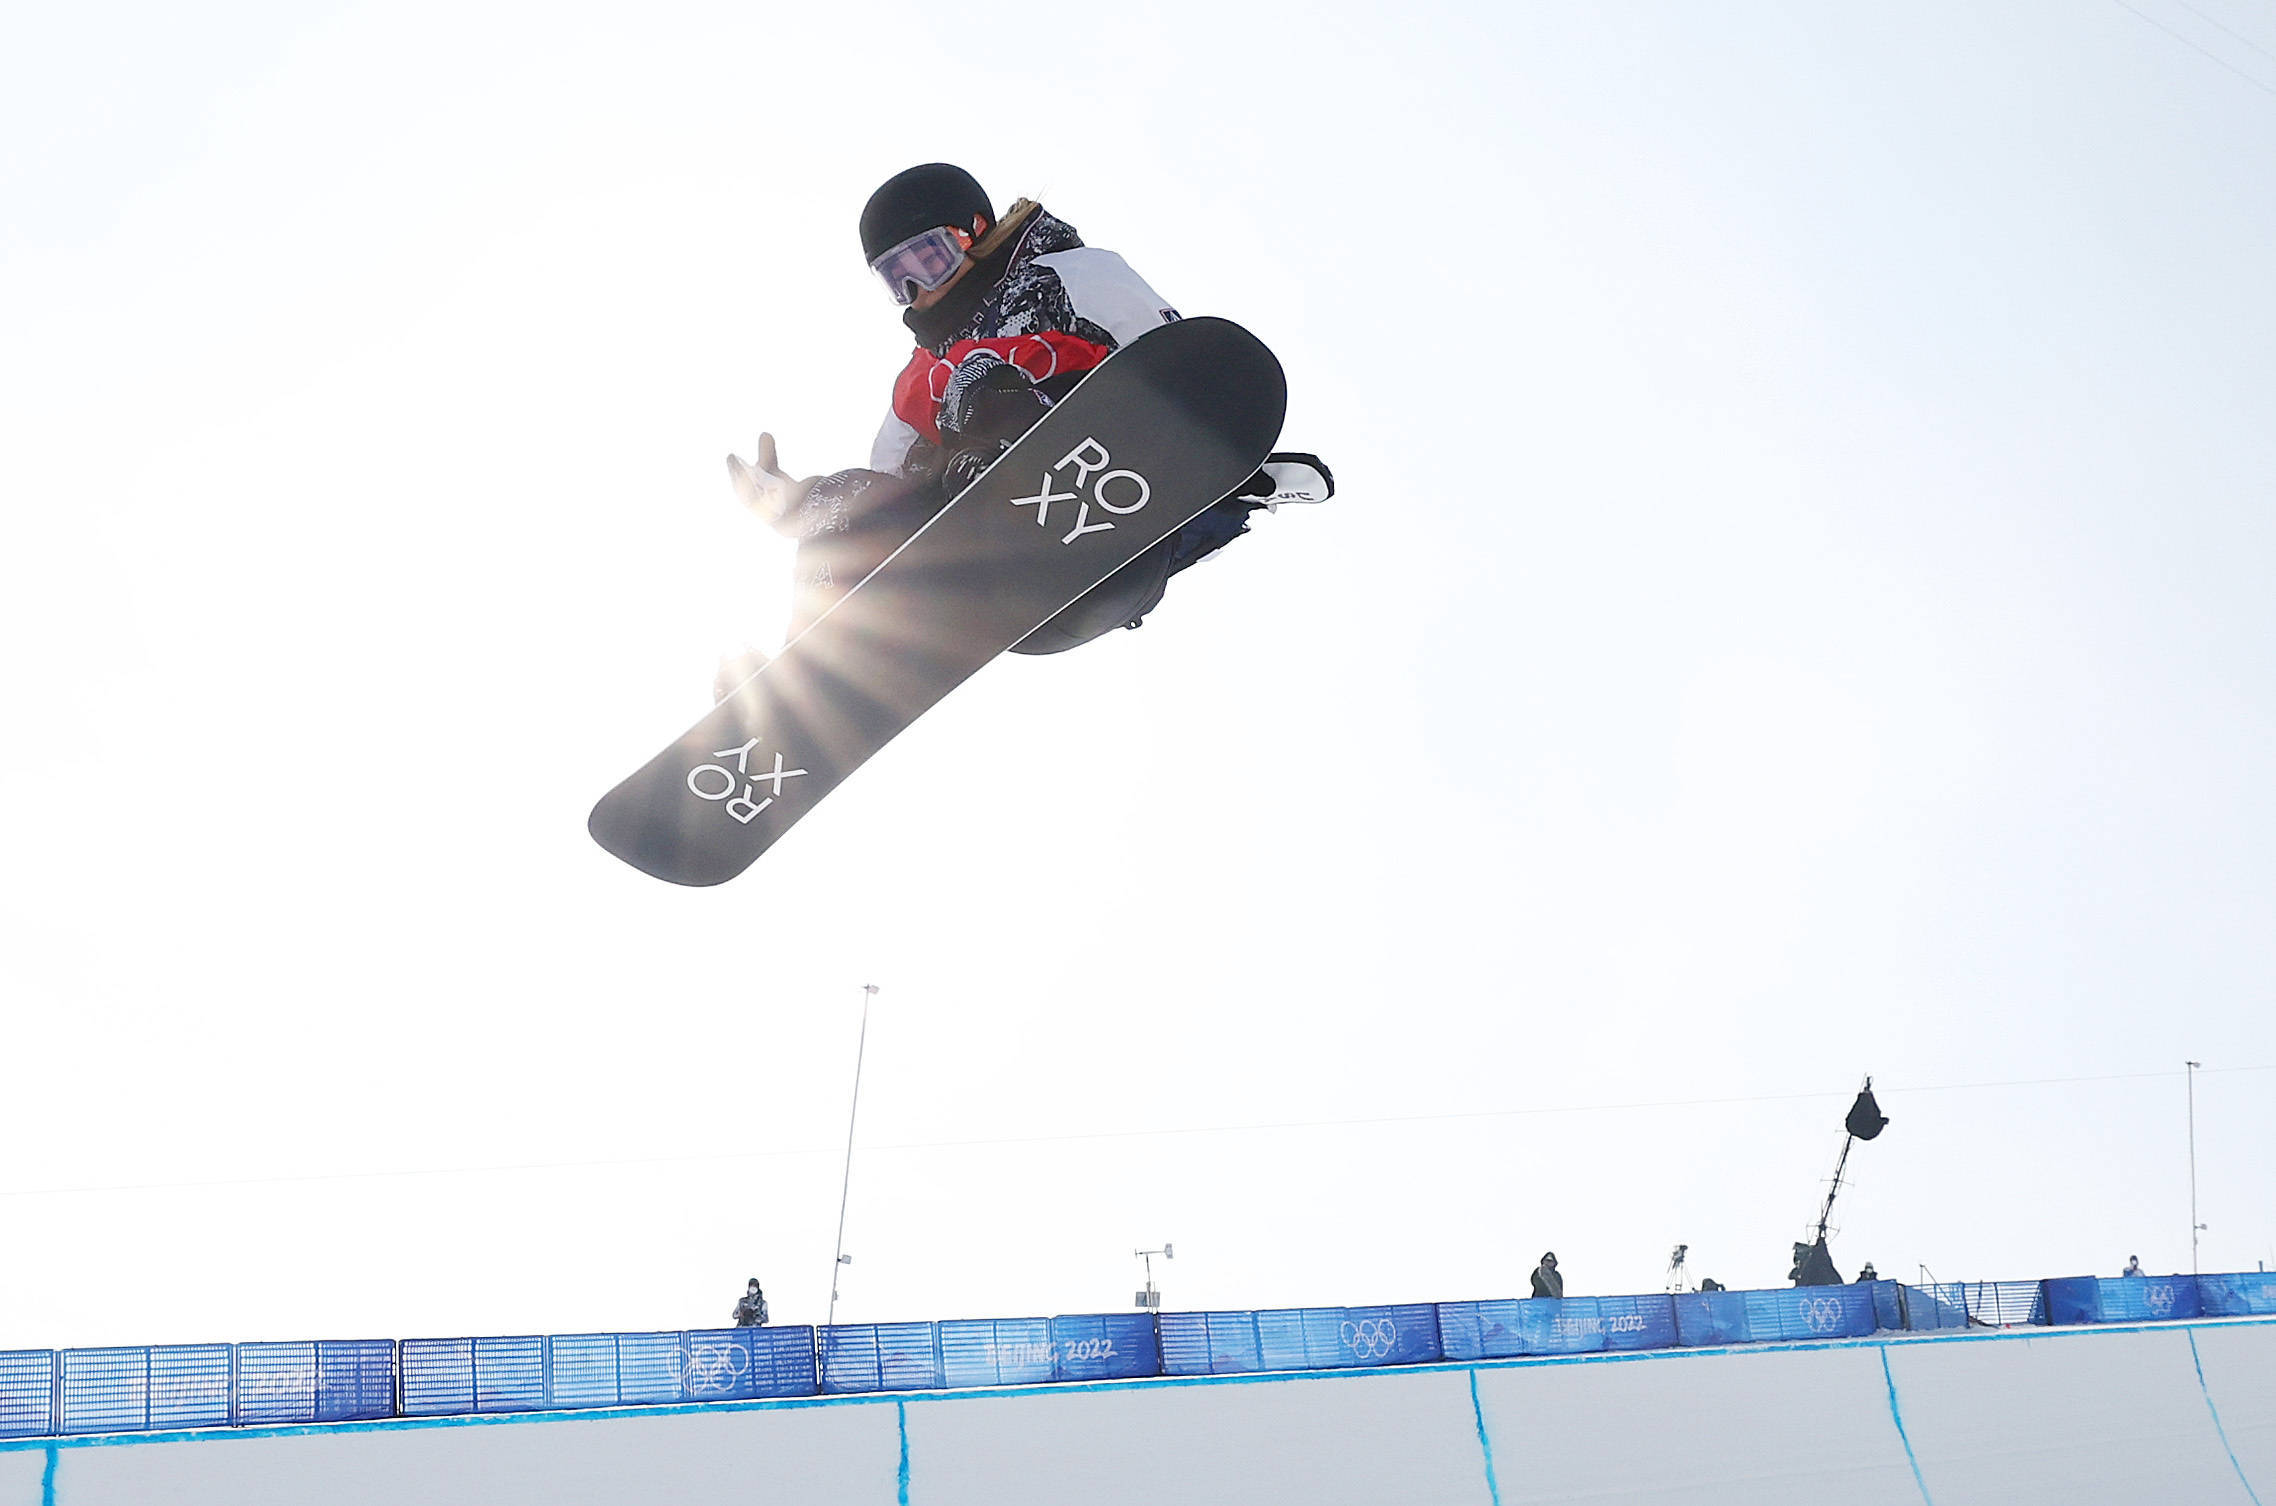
point(1055, 309)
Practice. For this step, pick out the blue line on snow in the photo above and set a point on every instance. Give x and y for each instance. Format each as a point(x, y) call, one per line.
point(901, 1417)
point(2199, 1361)
point(47, 1476)
point(1897, 1416)
point(1486, 1444)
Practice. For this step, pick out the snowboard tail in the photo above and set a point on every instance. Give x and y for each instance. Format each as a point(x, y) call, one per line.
point(1157, 433)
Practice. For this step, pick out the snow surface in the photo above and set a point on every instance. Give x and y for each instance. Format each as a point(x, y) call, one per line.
point(2172, 1413)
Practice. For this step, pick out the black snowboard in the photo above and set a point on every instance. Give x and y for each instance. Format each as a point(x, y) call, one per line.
point(1165, 427)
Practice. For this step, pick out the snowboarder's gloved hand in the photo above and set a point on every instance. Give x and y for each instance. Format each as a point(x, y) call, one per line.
point(765, 489)
point(963, 468)
point(988, 403)
point(988, 398)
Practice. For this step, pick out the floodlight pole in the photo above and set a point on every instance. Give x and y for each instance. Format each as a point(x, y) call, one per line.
point(2194, 1226)
point(845, 1184)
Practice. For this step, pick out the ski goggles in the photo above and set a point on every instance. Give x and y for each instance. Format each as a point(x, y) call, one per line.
point(928, 259)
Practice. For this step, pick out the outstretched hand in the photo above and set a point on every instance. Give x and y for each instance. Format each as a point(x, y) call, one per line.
point(764, 487)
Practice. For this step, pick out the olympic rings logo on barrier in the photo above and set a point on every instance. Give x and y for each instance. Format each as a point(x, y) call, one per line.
point(1370, 1338)
point(1823, 1314)
point(707, 1368)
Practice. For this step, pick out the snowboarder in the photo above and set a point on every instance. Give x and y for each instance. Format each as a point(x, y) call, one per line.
point(1009, 314)
point(1054, 457)
point(1175, 421)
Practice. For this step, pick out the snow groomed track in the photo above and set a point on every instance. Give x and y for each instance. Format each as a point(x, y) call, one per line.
point(2154, 1413)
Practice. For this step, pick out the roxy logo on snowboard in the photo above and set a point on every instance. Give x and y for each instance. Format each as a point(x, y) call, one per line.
point(715, 781)
point(1117, 492)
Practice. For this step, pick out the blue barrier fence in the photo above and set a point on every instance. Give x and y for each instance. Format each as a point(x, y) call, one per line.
point(51, 1393)
point(455, 1377)
point(1298, 1338)
point(132, 1390)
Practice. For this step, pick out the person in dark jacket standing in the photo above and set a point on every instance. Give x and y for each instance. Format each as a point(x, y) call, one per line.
point(1009, 314)
point(1548, 1281)
point(751, 1308)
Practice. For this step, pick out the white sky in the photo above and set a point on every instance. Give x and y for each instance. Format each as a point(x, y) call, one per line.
point(1798, 607)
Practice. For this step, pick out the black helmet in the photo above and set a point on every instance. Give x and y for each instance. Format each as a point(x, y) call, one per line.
point(923, 198)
